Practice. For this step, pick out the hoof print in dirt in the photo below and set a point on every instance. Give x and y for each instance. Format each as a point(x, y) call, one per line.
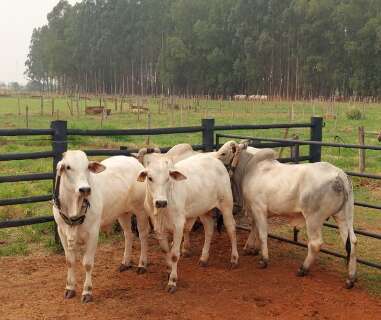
point(302, 272)
point(86, 298)
point(141, 270)
point(124, 267)
point(69, 294)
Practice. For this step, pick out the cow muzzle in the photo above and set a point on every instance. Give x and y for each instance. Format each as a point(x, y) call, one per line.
point(85, 191)
point(161, 203)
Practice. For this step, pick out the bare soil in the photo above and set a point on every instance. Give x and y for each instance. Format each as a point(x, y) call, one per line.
point(32, 288)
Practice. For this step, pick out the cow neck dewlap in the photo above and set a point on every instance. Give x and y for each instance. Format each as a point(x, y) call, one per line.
point(71, 202)
point(161, 215)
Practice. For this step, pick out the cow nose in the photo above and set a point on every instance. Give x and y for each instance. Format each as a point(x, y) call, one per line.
point(161, 203)
point(85, 190)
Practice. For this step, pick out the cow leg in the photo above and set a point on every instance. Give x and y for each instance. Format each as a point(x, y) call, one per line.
point(163, 242)
point(349, 239)
point(185, 249)
point(174, 255)
point(70, 262)
point(229, 223)
point(260, 221)
point(208, 222)
point(315, 240)
point(88, 264)
point(125, 222)
point(143, 227)
point(252, 243)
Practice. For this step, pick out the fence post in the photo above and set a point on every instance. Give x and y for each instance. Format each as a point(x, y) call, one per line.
point(316, 135)
point(208, 134)
point(361, 133)
point(59, 146)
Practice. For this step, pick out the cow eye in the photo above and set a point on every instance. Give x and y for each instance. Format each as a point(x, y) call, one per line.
point(68, 167)
point(150, 179)
point(224, 154)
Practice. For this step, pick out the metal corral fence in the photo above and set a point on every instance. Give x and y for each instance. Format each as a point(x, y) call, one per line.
point(59, 134)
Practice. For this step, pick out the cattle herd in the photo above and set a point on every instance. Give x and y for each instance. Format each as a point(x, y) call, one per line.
point(172, 190)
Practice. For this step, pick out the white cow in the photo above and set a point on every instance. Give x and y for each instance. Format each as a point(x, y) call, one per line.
point(89, 195)
point(307, 193)
point(175, 154)
point(239, 97)
point(176, 194)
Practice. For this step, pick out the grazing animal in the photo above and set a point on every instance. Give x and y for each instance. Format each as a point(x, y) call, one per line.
point(239, 97)
point(176, 194)
point(89, 195)
point(306, 193)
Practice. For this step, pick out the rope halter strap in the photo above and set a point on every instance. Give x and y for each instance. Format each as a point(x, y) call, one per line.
point(71, 221)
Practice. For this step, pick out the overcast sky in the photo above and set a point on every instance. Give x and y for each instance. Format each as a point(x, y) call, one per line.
point(17, 20)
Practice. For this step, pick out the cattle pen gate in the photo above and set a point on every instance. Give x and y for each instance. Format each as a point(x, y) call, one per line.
point(211, 138)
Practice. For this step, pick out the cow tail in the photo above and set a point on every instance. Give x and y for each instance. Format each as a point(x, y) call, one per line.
point(348, 246)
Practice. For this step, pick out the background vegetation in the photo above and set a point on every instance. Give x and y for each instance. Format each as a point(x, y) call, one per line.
point(289, 48)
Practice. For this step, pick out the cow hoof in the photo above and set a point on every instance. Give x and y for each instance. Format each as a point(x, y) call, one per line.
point(124, 267)
point(171, 288)
point(349, 283)
point(69, 294)
point(302, 272)
point(141, 270)
point(262, 264)
point(86, 298)
point(233, 265)
point(203, 264)
point(250, 252)
point(186, 254)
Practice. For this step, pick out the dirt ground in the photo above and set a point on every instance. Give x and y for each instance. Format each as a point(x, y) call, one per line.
point(32, 288)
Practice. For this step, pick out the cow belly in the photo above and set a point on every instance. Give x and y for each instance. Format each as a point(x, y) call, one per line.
point(295, 219)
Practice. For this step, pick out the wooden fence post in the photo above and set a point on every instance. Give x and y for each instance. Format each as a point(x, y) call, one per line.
point(316, 134)
point(208, 134)
point(59, 146)
point(361, 135)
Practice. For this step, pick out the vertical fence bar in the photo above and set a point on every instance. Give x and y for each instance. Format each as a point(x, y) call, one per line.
point(316, 135)
point(208, 134)
point(59, 146)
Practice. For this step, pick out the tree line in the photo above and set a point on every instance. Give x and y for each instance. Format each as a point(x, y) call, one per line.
point(287, 48)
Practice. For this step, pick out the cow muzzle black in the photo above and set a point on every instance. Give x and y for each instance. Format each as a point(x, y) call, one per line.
point(161, 203)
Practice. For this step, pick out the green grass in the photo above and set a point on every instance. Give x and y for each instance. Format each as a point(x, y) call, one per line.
point(338, 128)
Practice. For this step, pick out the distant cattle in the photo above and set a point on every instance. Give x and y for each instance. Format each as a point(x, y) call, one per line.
point(239, 97)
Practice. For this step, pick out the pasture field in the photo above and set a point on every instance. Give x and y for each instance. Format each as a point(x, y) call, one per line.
point(338, 128)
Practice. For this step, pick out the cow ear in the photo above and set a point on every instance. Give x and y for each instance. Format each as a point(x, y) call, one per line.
point(60, 167)
point(96, 167)
point(142, 176)
point(177, 175)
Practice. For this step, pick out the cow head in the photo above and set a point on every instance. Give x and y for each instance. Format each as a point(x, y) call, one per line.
point(144, 155)
point(159, 177)
point(227, 152)
point(75, 170)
